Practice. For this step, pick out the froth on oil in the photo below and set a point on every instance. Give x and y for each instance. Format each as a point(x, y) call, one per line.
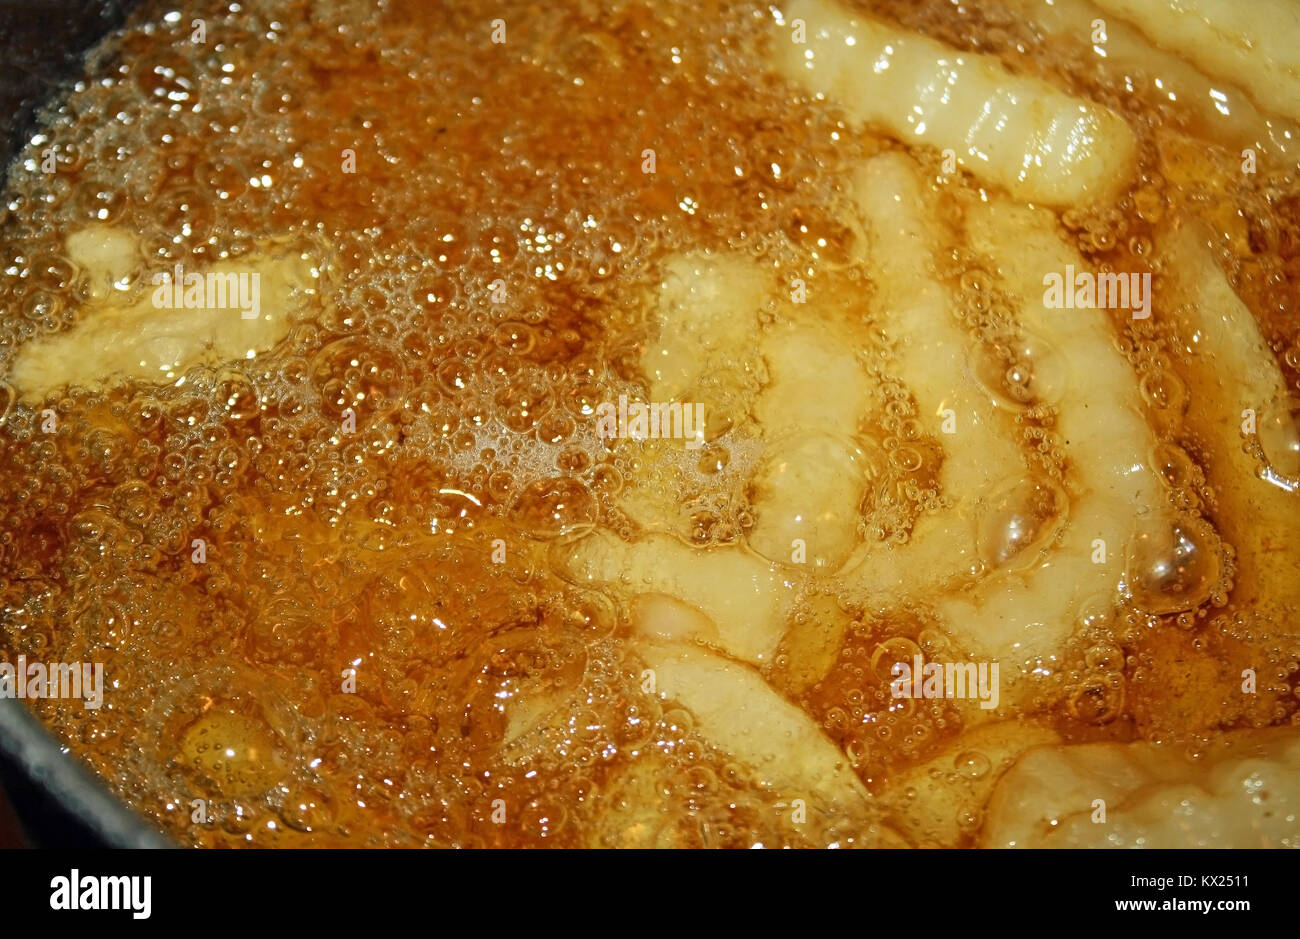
point(437, 605)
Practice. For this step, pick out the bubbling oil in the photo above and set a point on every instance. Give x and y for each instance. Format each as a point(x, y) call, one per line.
point(378, 648)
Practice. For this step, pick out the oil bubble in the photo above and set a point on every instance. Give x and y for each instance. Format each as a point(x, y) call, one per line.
point(234, 752)
point(891, 652)
point(1028, 370)
point(1018, 520)
point(971, 764)
point(1172, 462)
point(1279, 437)
point(1173, 564)
point(809, 489)
point(551, 508)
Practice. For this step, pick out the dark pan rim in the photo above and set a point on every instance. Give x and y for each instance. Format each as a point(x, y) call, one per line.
point(43, 760)
point(36, 75)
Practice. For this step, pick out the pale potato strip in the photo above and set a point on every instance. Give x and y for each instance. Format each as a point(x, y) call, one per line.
point(1230, 369)
point(1025, 617)
point(1255, 44)
point(116, 340)
point(1243, 793)
point(812, 478)
point(736, 710)
point(1218, 109)
point(707, 312)
point(1016, 132)
point(746, 599)
point(705, 317)
point(916, 313)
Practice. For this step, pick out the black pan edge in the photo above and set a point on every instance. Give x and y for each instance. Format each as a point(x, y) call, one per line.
point(38, 756)
point(43, 44)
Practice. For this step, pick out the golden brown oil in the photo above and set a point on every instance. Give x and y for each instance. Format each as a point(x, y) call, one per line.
point(370, 553)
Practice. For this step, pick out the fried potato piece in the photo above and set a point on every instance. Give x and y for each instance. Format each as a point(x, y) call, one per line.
point(1027, 616)
point(118, 340)
point(1016, 132)
point(930, 357)
point(1231, 372)
point(813, 477)
point(746, 600)
point(1217, 110)
point(707, 310)
point(1244, 793)
point(738, 712)
point(1252, 44)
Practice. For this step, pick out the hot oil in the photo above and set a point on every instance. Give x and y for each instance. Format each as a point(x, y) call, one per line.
point(344, 665)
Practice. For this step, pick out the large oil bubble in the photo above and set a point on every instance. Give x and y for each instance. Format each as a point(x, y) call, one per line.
point(1279, 438)
point(1025, 371)
point(807, 494)
point(232, 751)
point(1018, 520)
point(551, 508)
point(1173, 564)
point(355, 373)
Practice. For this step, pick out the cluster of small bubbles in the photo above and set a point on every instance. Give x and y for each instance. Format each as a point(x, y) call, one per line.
point(474, 414)
point(1097, 229)
point(1098, 698)
point(912, 458)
